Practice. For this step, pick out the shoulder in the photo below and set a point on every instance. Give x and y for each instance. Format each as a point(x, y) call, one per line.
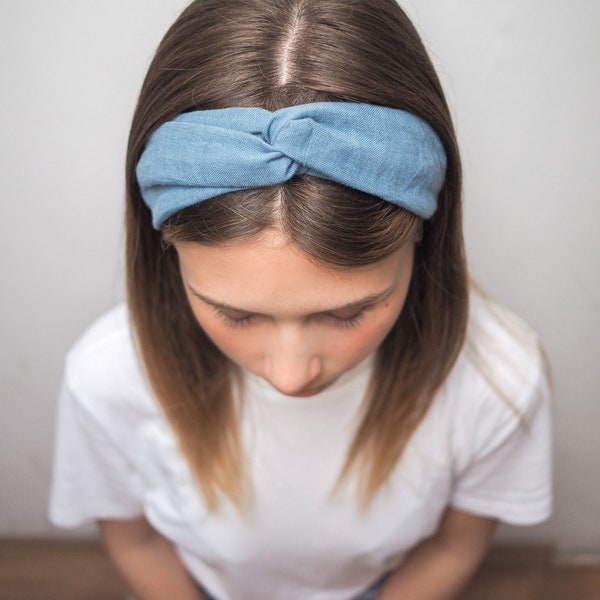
point(110, 329)
point(500, 380)
point(103, 370)
point(502, 355)
point(494, 328)
point(105, 348)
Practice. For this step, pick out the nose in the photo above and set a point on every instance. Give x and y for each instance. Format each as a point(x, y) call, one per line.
point(290, 366)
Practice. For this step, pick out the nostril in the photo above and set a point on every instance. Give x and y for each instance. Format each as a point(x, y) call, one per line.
point(314, 367)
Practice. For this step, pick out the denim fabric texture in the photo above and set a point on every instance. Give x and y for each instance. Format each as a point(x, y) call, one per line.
point(368, 594)
point(383, 151)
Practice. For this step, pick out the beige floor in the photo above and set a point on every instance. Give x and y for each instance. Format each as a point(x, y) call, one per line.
point(51, 570)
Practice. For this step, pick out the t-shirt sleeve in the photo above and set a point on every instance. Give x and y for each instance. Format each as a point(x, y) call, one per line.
point(508, 473)
point(92, 478)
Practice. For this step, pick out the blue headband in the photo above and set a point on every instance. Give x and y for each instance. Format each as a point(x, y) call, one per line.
point(383, 151)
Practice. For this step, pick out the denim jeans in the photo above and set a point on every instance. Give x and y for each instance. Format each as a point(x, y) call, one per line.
point(368, 594)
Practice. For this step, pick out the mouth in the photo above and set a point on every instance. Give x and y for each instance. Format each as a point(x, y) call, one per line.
point(309, 392)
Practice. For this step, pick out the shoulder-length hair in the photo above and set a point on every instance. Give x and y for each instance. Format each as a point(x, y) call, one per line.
point(274, 53)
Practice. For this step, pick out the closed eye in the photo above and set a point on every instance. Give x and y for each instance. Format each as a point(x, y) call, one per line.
point(350, 319)
point(345, 321)
point(234, 318)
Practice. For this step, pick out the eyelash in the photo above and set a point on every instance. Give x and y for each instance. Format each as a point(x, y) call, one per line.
point(233, 322)
point(350, 322)
point(342, 322)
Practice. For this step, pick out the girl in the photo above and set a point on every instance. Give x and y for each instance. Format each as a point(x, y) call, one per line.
point(304, 399)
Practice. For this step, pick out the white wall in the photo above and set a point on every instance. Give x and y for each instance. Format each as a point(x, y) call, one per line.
point(523, 81)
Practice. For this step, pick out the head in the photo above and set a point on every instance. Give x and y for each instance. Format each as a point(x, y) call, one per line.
point(272, 54)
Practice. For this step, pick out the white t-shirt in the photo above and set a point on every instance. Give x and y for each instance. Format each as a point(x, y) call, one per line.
point(116, 458)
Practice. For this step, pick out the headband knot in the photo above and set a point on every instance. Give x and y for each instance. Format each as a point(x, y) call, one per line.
point(383, 151)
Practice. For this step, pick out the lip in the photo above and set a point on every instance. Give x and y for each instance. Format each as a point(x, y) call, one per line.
point(309, 392)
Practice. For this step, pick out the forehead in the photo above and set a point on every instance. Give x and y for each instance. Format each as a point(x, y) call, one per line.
point(269, 274)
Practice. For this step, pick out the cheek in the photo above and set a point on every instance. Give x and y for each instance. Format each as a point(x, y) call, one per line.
point(232, 342)
point(357, 344)
point(370, 336)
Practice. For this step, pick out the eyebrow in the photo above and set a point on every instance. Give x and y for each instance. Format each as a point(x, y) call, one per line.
point(370, 299)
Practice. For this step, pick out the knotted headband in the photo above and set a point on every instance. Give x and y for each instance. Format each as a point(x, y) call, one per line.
point(383, 151)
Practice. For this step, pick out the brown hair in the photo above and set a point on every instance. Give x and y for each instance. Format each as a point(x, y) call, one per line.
point(274, 53)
